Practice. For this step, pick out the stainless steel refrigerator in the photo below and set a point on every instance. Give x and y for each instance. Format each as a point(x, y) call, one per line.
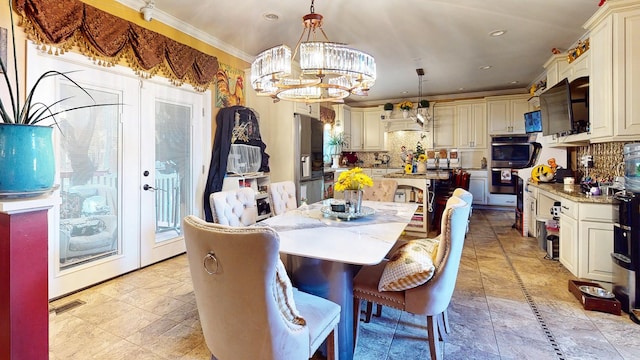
point(308, 153)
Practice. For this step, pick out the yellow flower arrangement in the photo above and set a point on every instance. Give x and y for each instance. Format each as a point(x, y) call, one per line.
point(408, 169)
point(353, 179)
point(406, 105)
point(422, 158)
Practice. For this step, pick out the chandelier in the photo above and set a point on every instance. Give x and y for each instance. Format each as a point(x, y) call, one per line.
point(328, 71)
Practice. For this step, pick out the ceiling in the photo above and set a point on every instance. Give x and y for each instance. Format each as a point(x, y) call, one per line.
point(449, 39)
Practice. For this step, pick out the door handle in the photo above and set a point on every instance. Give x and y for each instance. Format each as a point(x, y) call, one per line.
point(148, 187)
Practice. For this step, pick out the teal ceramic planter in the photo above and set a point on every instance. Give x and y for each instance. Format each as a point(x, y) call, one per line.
point(27, 162)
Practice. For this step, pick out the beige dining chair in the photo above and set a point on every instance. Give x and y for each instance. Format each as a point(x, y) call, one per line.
point(460, 193)
point(431, 298)
point(234, 207)
point(283, 196)
point(246, 304)
point(382, 190)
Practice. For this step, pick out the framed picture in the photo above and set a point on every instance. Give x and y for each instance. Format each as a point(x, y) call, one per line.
point(229, 86)
point(3, 46)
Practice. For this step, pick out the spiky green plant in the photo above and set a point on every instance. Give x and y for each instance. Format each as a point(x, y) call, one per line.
point(30, 112)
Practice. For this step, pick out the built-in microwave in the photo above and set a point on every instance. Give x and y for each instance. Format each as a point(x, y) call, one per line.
point(512, 152)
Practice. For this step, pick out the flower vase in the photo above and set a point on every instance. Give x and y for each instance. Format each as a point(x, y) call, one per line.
point(353, 200)
point(422, 167)
point(405, 114)
point(336, 161)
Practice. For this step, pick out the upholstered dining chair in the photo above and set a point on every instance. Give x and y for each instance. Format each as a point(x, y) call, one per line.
point(460, 193)
point(382, 190)
point(234, 207)
point(431, 298)
point(283, 196)
point(246, 304)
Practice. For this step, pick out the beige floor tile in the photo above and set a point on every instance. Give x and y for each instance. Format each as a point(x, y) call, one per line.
point(151, 314)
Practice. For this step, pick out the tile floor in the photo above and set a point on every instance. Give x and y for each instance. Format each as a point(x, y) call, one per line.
point(151, 313)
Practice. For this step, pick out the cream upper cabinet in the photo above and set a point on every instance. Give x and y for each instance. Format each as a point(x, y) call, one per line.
point(578, 68)
point(353, 130)
point(554, 67)
point(472, 125)
point(343, 114)
point(600, 80)
point(312, 110)
point(373, 130)
point(614, 80)
point(505, 114)
point(444, 126)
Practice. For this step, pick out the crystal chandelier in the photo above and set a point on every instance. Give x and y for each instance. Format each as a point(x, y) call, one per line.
point(329, 71)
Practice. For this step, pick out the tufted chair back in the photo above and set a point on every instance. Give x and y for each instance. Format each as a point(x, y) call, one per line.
point(246, 304)
point(234, 207)
point(283, 196)
point(382, 190)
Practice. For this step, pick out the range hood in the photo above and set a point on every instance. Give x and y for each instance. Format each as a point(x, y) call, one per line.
point(391, 125)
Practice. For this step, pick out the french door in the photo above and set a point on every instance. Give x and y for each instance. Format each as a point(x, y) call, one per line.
point(170, 158)
point(108, 222)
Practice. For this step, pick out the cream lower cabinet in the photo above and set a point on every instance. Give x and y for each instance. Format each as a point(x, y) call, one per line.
point(596, 242)
point(586, 237)
point(568, 249)
point(478, 186)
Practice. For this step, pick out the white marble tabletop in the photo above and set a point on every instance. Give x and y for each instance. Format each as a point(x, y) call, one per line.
point(308, 232)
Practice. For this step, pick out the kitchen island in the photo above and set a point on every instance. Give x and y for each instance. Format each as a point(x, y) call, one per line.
point(418, 187)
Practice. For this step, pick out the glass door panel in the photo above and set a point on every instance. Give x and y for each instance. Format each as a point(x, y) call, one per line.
point(169, 182)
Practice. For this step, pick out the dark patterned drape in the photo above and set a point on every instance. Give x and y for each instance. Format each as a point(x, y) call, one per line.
point(107, 39)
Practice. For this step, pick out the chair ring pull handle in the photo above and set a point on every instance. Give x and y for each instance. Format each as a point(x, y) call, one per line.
point(210, 257)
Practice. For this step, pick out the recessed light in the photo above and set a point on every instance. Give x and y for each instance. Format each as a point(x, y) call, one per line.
point(404, 92)
point(460, 89)
point(270, 16)
point(486, 67)
point(496, 33)
point(514, 82)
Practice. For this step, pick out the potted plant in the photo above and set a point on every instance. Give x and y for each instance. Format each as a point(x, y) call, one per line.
point(337, 141)
point(405, 106)
point(388, 108)
point(423, 103)
point(26, 146)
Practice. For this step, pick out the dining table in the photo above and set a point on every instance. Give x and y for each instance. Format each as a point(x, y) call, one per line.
point(327, 248)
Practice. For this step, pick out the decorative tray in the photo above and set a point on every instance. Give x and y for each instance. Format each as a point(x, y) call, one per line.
point(365, 211)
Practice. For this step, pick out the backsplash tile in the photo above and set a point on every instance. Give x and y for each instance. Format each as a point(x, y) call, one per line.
point(607, 159)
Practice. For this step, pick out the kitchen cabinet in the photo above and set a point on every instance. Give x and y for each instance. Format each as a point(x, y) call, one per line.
point(478, 186)
point(505, 114)
point(530, 210)
point(472, 125)
point(373, 130)
point(312, 109)
point(353, 130)
point(578, 68)
point(586, 235)
point(596, 242)
point(568, 249)
point(614, 79)
point(444, 126)
point(364, 130)
point(343, 114)
point(553, 67)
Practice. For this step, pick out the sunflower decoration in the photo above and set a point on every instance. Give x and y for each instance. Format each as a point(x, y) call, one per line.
point(408, 169)
point(353, 179)
point(405, 105)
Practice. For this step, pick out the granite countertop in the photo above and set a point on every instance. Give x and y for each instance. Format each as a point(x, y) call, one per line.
point(572, 192)
point(430, 174)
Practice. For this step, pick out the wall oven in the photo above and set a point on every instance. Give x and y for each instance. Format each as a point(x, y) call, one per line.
point(509, 153)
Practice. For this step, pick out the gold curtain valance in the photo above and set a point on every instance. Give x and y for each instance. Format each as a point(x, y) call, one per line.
point(105, 38)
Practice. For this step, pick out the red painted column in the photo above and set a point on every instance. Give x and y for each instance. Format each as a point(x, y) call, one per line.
point(24, 312)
